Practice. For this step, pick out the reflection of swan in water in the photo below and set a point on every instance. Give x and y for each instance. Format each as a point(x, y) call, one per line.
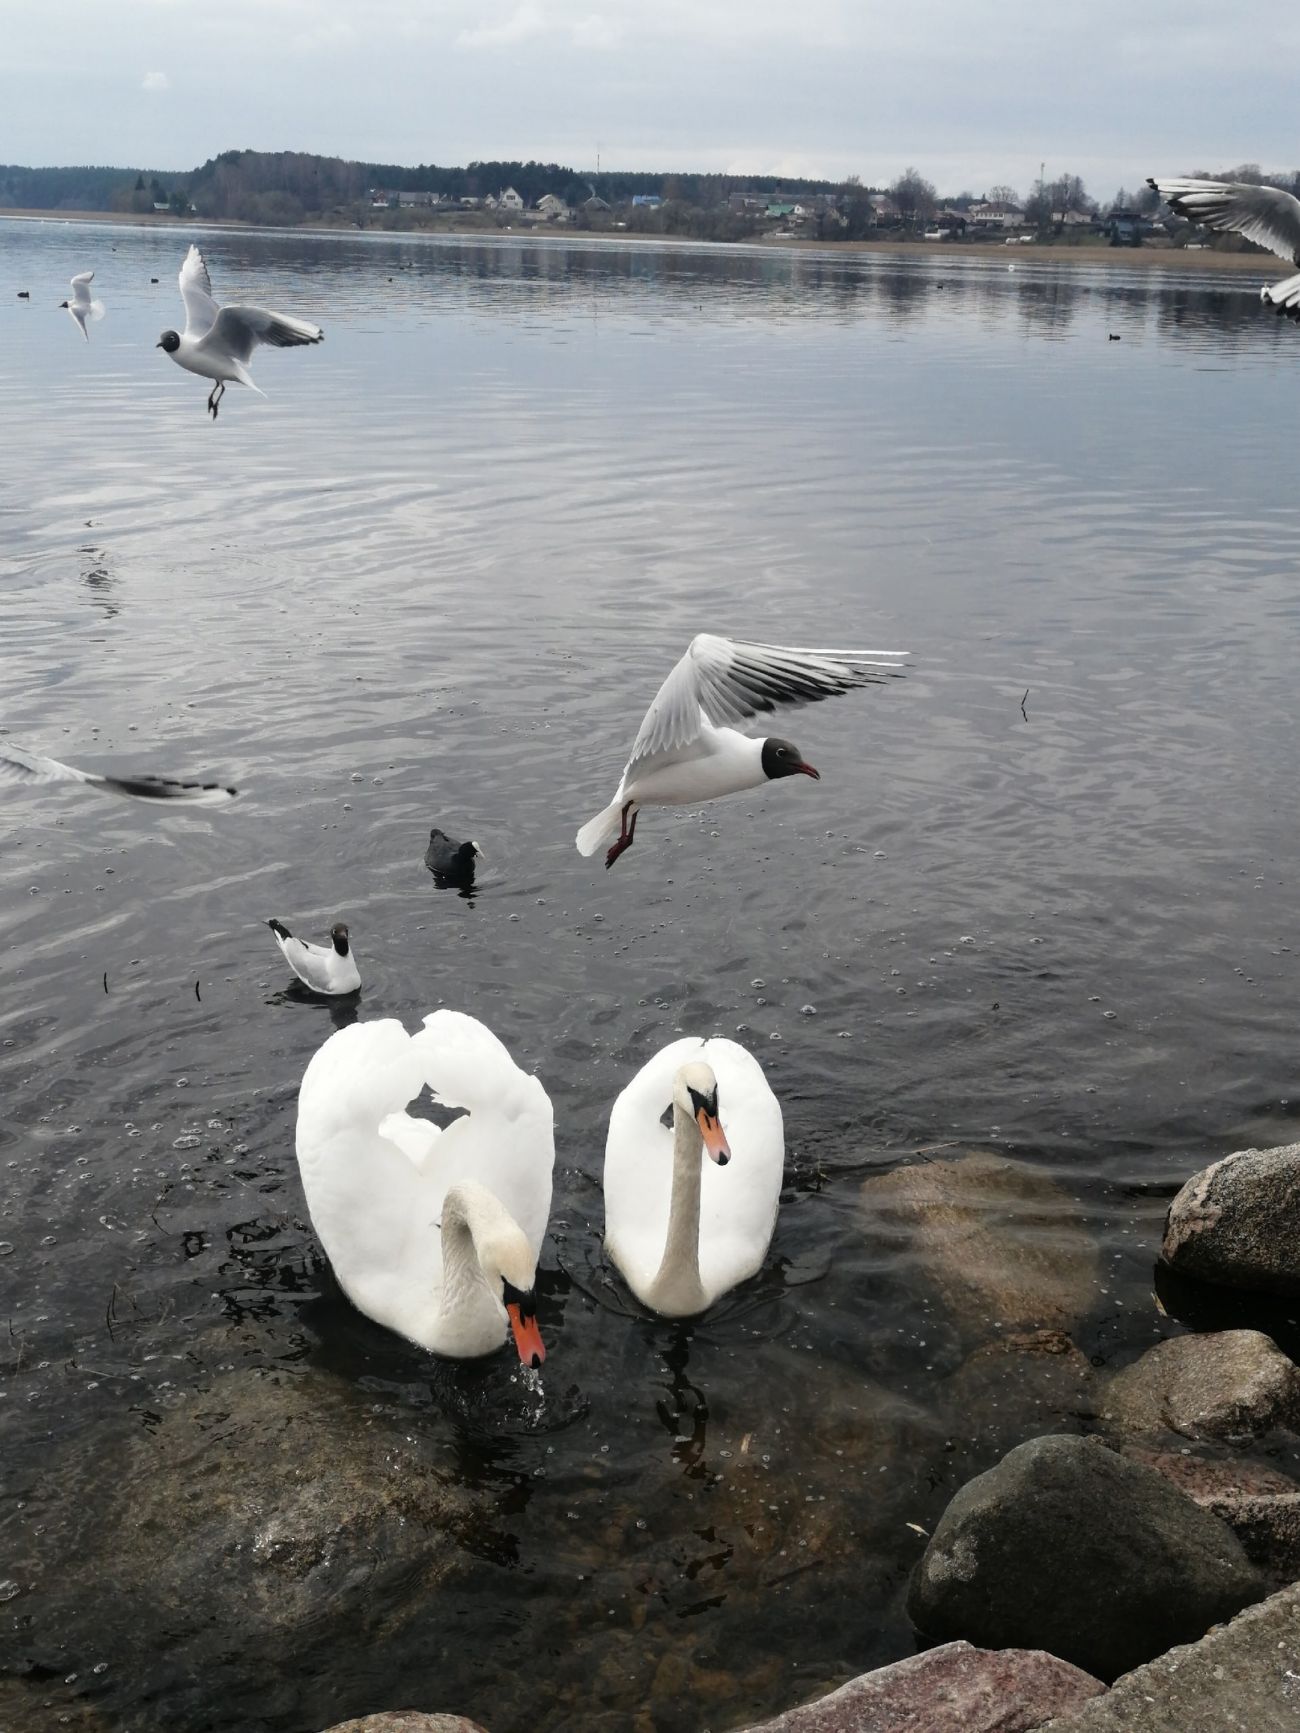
point(432, 1232)
point(683, 1233)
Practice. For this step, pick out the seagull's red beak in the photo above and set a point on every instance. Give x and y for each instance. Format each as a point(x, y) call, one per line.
point(715, 1138)
point(528, 1338)
point(807, 770)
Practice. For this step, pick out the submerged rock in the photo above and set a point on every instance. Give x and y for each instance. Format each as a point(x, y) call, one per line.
point(998, 1241)
point(45, 1708)
point(1243, 1678)
point(1017, 1387)
point(271, 1508)
point(1068, 1547)
point(1237, 1222)
point(952, 1689)
point(407, 1721)
point(1231, 1384)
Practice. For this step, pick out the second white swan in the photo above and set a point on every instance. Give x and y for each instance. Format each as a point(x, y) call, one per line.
point(681, 1229)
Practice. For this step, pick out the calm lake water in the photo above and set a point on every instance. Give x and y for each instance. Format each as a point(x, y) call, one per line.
point(1042, 900)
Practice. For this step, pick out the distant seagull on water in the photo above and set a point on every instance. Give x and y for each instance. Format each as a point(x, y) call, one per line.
point(17, 765)
point(330, 969)
point(218, 342)
point(684, 753)
point(81, 307)
point(1265, 215)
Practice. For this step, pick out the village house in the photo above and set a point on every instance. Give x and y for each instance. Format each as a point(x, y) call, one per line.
point(994, 214)
point(509, 200)
point(553, 208)
point(646, 201)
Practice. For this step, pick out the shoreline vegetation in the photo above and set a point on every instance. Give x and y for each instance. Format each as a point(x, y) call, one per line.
point(1090, 252)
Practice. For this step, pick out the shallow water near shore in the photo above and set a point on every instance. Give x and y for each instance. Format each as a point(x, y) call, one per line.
point(1042, 901)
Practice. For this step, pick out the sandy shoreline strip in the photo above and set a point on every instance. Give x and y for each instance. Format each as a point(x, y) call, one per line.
point(1167, 257)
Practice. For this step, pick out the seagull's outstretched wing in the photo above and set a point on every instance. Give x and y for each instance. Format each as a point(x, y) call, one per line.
point(81, 289)
point(17, 765)
point(196, 292)
point(725, 680)
point(238, 330)
point(1265, 215)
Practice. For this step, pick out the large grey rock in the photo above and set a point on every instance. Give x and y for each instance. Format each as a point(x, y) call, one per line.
point(997, 1241)
point(1237, 1223)
point(952, 1689)
point(406, 1721)
point(1242, 1678)
point(45, 1708)
point(1068, 1547)
point(1233, 1384)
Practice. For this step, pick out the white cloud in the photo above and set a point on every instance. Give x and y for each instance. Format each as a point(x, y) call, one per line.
point(156, 81)
point(595, 32)
point(523, 22)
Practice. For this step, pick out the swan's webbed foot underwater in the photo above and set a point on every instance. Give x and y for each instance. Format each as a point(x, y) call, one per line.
point(625, 836)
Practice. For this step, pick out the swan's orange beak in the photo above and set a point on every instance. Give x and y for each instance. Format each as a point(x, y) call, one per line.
point(715, 1138)
point(528, 1338)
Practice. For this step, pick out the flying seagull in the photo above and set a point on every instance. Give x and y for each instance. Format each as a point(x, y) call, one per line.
point(218, 342)
point(81, 307)
point(1265, 215)
point(17, 765)
point(685, 753)
point(330, 969)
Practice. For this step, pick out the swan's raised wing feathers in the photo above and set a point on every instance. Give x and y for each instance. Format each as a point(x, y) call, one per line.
point(726, 680)
point(1265, 215)
point(196, 292)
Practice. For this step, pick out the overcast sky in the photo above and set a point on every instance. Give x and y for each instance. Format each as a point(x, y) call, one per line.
point(973, 92)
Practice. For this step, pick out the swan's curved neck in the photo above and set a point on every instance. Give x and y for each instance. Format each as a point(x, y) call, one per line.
point(467, 1302)
point(676, 1288)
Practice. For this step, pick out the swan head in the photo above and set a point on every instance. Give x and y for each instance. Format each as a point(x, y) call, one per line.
point(695, 1093)
point(505, 1257)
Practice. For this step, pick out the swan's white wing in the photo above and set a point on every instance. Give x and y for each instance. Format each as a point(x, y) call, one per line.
point(196, 292)
point(506, 1141)
point(237, 331)
point(20, 766)
point(1265, 215)
point(726, 680)
point(81, 289)
point(376, 1213)
point(738, 1202)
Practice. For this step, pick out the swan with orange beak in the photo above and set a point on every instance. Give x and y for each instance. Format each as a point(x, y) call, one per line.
point(681, 1229)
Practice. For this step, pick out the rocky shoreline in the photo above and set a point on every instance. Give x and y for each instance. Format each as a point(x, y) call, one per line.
point(1131, 1559)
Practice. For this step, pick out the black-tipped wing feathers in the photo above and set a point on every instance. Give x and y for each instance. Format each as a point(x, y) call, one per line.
point(726, 680)
point(237, 331)
point(1265, 215)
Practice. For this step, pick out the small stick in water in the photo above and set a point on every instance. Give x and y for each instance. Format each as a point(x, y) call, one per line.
point(1023, 711)
point(197, 994)
point(106, 980)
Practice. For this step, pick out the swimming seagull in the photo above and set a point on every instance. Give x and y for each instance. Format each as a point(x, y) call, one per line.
point(218, 342)
point(324, 968)
point(17, 765)
point(81, 307)
point(684, 754)
point(1265, 215)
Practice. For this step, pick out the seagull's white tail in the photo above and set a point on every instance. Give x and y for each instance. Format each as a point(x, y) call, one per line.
point(1283, 297)
point(602, 829)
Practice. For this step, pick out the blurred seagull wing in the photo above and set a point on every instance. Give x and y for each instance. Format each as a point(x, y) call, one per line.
point(19, 767)
point(196, 292)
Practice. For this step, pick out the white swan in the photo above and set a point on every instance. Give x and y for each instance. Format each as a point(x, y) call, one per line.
point(683, 1231)
point(434, 1233)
